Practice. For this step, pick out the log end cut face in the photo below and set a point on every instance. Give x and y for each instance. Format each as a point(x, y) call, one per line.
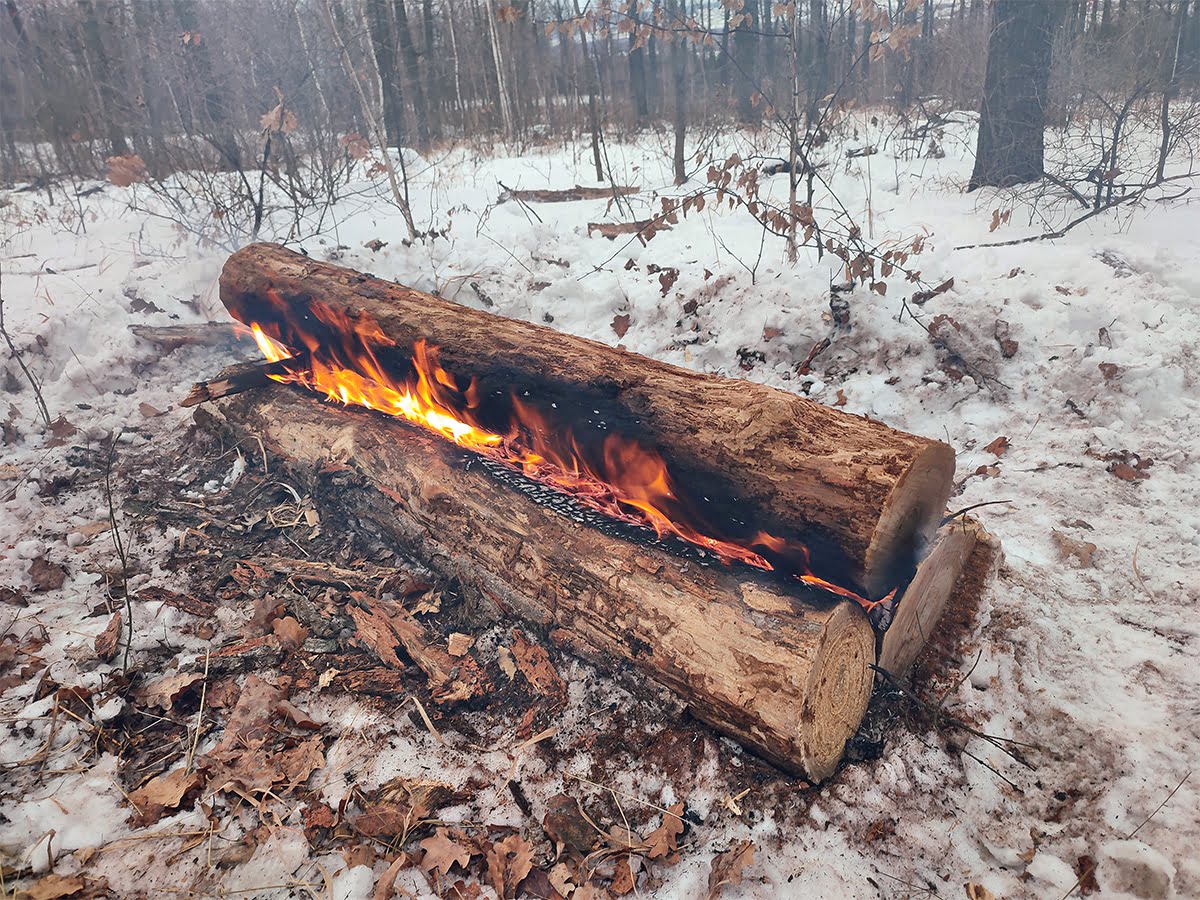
point(839, 688)
point(910, 519)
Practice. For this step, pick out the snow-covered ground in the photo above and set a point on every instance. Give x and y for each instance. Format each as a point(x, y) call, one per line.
point(1085, 647)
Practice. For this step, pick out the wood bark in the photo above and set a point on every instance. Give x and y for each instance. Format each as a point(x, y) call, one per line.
point(788, 678)
point(864, 498)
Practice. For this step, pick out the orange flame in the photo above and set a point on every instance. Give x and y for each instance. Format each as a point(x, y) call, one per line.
point(629, 482)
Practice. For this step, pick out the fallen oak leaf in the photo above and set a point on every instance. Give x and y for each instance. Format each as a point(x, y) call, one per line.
point(441, 852)
point(46, 576)
point(290, 632)
point(296, 716)
point(508, 862)
point(165, 691)
point(52, 887)
point(726, 868)
point(384, 888)
point(297, 764)
point(620, 324)
point(997, 447)
point(1069, 547)
point(662, 841)
point(163, 792)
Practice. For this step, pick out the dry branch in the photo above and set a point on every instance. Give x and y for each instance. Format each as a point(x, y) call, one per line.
point(235, 379)
point(579, 192)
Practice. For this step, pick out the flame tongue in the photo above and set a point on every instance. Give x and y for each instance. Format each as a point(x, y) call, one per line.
point(626, 480)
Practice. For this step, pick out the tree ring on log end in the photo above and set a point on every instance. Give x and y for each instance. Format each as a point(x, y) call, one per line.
point(909, 521)
point(839, 687)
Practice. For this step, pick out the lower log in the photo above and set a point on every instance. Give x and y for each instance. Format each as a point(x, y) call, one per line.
point(788, 678)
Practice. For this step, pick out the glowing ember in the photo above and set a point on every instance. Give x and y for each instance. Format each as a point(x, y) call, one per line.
point(628, 481)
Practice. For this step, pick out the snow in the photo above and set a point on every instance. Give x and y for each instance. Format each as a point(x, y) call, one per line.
point(1091, 665)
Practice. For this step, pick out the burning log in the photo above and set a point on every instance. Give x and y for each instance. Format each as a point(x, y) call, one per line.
point(753, 474)
point(786, 676)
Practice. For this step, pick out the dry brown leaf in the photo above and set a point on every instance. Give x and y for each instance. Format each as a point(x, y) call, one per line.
point(1069, 547)
point(162, 793)
point(109, 638)
point(534, 663)
point(46, 576)
point(565, 825)
point(997, 447)
point(1126, 472)
point(663, 840)
point(1111, 371)
point(150, 412)
point(841, 398)
point(250, 720)
point(978, 892)
point(620, 324)
point(359, 855)
point(385, 887)
point(375, 245)
point(726, 868)
point(163, 692)
point(624, 878)
point(459, 643)
point(386, 821)
point(291, 633)
point(560, 878)
point(508, 862)
point(296, 716)
point(279, 120)
point(301, 761)
point(52, 887)
point(770, 333)
point(441, 852)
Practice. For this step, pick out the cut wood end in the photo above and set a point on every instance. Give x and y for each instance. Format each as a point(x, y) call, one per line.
point(927, 594)
point(839, 688)
point(910, 519)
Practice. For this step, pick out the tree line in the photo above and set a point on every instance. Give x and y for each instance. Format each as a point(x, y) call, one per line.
point(88, 79)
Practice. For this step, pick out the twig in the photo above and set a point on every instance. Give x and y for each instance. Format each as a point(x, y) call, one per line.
point(43, 411)
point(120, 546)
point(1052, 235)
point(242, 377)
point(967, 509)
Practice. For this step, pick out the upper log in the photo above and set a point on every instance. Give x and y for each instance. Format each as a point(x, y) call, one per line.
point(864, 498)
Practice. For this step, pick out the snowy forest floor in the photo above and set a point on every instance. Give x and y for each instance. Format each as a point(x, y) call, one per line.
point(1084, 647)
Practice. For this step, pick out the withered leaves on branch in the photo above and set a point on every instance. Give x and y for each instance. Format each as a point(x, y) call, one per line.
point(279, 119)
point(126, 170)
